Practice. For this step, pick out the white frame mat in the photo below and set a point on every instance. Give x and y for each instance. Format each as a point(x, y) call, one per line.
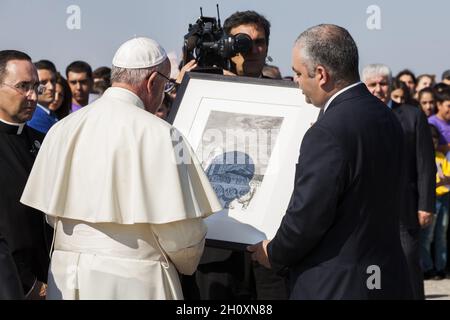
point(257, 123)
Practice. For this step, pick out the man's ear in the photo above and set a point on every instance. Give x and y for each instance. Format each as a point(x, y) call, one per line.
point(322, 75)
point(151, 82)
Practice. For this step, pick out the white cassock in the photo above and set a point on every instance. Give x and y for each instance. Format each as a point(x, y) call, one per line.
point(127, 197)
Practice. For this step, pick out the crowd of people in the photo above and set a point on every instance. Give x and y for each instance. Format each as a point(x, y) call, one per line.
point(93, 207)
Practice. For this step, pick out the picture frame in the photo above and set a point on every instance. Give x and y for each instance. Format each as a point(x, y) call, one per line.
point(246, 133)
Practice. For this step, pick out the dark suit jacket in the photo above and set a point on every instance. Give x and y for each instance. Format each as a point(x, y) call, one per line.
point(343, 216)
point(419, 164)
point(24, 228)
point(10, 286)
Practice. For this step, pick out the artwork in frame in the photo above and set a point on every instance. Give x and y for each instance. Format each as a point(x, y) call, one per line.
point(246, 133)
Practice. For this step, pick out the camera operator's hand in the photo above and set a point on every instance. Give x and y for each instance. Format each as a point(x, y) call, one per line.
point(187, 67)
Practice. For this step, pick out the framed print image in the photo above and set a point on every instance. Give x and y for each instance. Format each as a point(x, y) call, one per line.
point(246, 132)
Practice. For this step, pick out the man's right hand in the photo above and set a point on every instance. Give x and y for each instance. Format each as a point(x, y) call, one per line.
point(39, 291)
point(259, 253)
point(425, 218)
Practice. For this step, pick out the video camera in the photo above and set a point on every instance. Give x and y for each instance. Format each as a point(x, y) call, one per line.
point(207, 43)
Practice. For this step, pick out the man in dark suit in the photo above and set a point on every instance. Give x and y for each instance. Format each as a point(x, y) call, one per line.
point(339, 238)
point(27, 235)
point(419, 167)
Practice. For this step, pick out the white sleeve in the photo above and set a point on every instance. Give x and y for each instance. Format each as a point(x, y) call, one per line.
point(183, 241)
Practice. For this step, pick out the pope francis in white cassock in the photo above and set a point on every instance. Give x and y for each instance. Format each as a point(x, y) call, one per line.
point(123, 189)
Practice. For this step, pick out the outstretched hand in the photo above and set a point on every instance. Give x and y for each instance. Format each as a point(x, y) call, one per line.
point(186, 68)
point(259, 253)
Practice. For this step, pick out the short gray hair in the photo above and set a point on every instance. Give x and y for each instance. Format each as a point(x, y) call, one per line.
point(332, 47)
point(376, 70)
point(132, 77)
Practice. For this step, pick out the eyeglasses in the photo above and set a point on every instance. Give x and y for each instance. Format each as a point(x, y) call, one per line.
point(170, 84)
point(25, 87)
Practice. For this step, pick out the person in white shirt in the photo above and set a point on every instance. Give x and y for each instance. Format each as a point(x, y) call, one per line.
point(124, 190)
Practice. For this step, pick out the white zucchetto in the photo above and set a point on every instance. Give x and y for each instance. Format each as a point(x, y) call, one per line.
point(139, 53)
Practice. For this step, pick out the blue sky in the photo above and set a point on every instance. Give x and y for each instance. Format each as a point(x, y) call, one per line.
point(412, 34)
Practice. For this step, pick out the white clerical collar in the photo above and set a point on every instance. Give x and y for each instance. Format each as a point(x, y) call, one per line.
point(124, 95)
point(47, 111)
point(18, 125)
point(338, 93)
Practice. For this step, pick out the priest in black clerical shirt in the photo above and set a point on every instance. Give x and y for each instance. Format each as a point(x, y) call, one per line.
point(24, 229)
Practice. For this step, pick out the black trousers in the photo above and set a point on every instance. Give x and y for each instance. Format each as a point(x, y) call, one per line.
point(409, 237)
point(231, 275)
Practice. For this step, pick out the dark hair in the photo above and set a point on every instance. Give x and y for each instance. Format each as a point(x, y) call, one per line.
point(104, 74)
point(407, 72)
point(397, 84)
point(426, 90)
point(333, 47)
point(425, 75)
point(247, 17)
point(45, 65)
point(99, 87)
point(446, 75)
point(439, 87)
point(444, 95)
point(8, 55)
point(79, 67)
point(66, 104)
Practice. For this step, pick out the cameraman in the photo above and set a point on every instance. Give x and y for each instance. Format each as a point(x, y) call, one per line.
point(249, 64)
point(222, 273)
point(257, 28)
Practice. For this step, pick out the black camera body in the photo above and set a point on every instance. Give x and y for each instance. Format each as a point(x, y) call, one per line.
point(207, 43)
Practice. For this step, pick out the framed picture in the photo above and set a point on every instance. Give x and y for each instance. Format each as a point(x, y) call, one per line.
point(246, 133)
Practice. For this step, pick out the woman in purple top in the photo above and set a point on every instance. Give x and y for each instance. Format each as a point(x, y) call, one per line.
point(441, 120)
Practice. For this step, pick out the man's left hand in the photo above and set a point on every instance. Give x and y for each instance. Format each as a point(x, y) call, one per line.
point(259, 253)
